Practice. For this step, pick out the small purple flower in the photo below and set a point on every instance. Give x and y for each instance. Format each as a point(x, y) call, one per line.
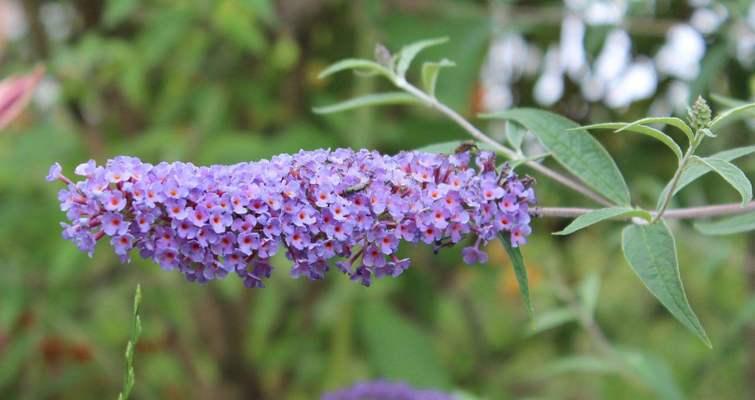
point(168, 259)
point(373, 257)
point(198, 216)
point(519, 235)
point(388, 244)
point(248, 242)
point(54, 173)
point(114, 224)
point(304, 216)
point(122, 244)
point(509, 203)
point(177, 209)
point(473, 255)
point(114, 201)
point(220, 221)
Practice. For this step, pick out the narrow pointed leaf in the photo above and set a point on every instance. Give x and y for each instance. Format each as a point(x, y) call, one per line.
point(651, 252)
point(377, 99)
point(726, 101)
point(577, 151)
point(430, 71)
point(551, 319)
point(728, 226)
point(696, 170)
point(673, 121)
point(653, 372)
point(357, 64)
point(536, 157)
point(519, 270)
point(731, 174)
point(408, 52)
point(593, 217)
point(644, 130)
point(589, 290)
point(731, 115)
point(515, 134)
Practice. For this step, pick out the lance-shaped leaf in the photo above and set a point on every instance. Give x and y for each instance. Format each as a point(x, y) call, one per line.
point(357, 65)
point(377, 99)
point(731, 115)
point(136, 331)
point(551, 319)
point(599, 215)
point(430, 71)
point(515, 134)
point(726, 101)
point(643, 130)
point(728, 226)
point(651, 252)
point(696, 170)
point(408, 52)
point(673, 121)
point(577, 151)
point(731, 174)
point(519, 270)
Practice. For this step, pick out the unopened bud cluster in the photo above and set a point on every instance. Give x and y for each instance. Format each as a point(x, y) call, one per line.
point(346, 208)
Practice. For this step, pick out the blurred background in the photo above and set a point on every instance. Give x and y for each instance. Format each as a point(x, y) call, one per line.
point(234, 80)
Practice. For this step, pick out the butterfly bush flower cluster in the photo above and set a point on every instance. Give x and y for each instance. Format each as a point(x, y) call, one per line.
point(384, 390)
point(343, 208)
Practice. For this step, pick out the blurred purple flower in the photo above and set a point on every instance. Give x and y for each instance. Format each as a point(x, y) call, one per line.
point(318, 205)
point(385, 390)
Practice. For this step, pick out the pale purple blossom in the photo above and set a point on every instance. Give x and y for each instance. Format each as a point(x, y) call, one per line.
point(386, 390)
point(346, 208)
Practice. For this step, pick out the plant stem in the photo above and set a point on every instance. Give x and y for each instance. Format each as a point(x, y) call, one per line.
point(499, 148)
point(717, 210)
point(674, 181)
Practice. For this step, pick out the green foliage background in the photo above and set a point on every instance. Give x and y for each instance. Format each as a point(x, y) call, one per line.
point(233, 80)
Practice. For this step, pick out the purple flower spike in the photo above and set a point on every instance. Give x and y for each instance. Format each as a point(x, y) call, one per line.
point(343, 208)
point(385, 390)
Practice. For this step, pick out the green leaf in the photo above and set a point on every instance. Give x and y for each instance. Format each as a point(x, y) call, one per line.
point(651, 252)
point(357, 64)
point(653, 372)
point(728, 226)
point(641, 129)
point(136, 331)
point(377, 99)
point(673, 121)
point(430, 71)
point(515, 134)
point(696, 170)
point(731, 174)
point(519, 270)
point(577, 151)
point(731, 115)
point(398, 348)
point(589, 289)
point(535, 157)
point(550, 319)
point(595, 216)
point(726, 101)
point(408, 52)
point(451, 146)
